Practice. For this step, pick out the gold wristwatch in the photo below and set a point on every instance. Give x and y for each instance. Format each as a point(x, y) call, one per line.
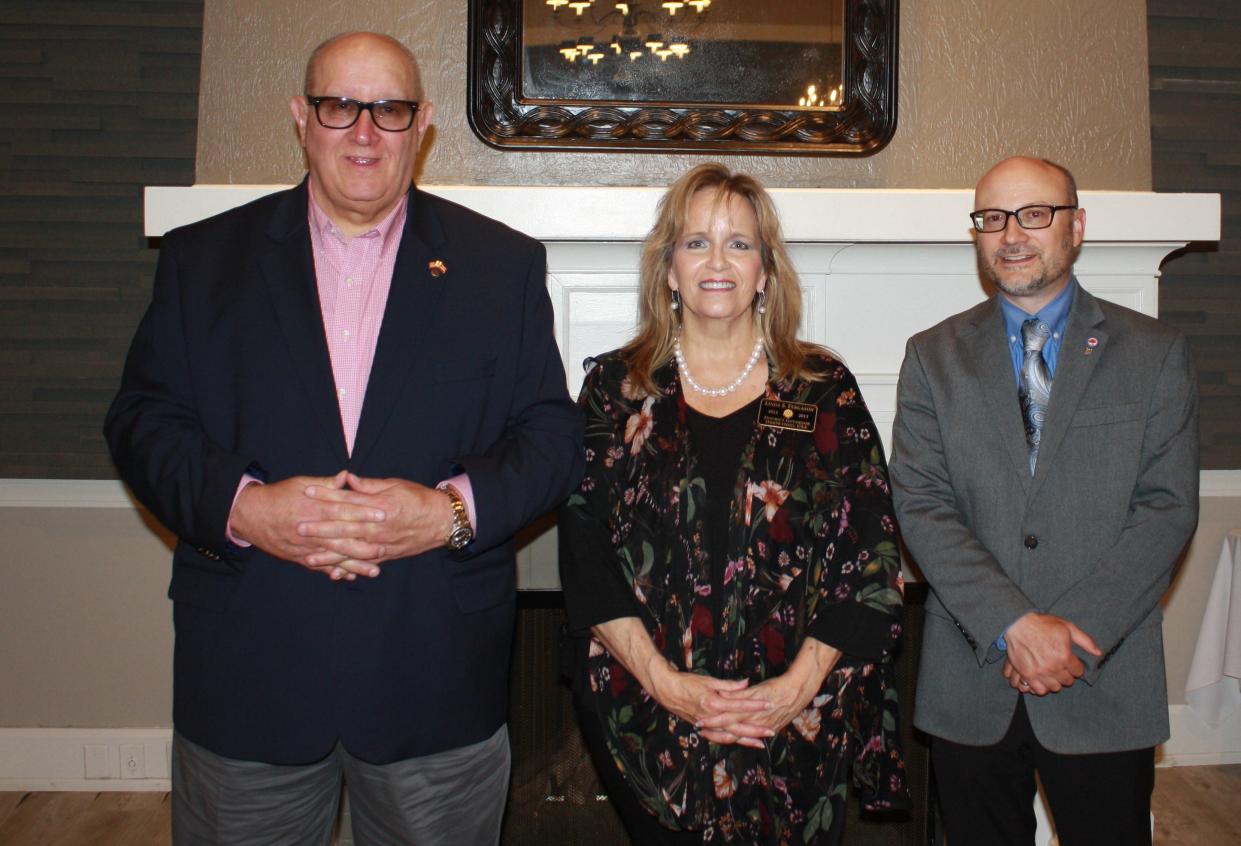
point(462, 532)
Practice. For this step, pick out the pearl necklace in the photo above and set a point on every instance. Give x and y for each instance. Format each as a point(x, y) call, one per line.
point(717, 392)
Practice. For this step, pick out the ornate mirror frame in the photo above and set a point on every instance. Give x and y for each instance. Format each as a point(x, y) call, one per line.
point(862, 127)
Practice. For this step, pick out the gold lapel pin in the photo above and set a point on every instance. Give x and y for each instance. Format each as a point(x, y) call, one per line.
point(437, 267)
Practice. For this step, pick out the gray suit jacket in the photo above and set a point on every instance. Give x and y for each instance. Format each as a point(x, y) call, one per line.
point(1092, 537)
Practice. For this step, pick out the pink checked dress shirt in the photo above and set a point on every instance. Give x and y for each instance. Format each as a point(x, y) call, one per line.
point(354, 276)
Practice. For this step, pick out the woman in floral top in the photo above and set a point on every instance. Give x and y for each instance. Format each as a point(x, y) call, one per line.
point(730, 560)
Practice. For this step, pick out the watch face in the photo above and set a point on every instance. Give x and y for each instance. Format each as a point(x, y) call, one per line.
point(460, 537)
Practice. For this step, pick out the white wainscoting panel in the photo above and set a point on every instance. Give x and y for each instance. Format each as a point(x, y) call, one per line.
point(1194, 743)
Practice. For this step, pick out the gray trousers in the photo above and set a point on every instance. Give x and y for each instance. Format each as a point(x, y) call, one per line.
point(451, 798)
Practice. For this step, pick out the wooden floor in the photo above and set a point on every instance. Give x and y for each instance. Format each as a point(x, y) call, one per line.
point(84, 819)
point(1193, 806)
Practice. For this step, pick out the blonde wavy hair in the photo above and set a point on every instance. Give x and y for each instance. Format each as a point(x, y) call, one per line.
point(658, 324)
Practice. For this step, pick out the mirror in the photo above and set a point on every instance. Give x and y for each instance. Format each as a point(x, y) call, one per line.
point(798, 76)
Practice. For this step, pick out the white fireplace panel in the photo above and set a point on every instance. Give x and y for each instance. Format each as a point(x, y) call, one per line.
point(871, 316)
point(598, 315)
point(905, 258)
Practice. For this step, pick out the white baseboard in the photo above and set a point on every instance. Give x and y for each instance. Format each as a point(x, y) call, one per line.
point(85, 759)
point(57, 759)
point(1219, 483)
point(1196, 744)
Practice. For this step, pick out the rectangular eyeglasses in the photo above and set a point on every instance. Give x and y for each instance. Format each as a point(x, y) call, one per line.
point(1035, 216)
point(343, 112)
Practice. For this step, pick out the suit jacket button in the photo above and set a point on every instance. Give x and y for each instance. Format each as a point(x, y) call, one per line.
point(1031, 541)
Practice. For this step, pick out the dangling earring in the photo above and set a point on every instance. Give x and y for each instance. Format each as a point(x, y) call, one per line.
point(761, 305)
point(676, 299)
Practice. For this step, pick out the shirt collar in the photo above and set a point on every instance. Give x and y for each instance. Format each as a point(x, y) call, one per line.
point(1055, 314)
point(392, 224)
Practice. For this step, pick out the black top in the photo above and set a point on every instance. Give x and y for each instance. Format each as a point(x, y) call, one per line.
point(716, 444)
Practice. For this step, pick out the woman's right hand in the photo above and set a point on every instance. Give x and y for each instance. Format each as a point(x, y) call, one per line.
point(693, 697)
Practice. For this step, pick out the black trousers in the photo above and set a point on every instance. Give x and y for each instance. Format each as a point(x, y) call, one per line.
point(641, 826)
point(986, 793)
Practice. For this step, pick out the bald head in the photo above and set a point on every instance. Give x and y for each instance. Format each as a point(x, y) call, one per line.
point(362, 42)
point(1045, 174)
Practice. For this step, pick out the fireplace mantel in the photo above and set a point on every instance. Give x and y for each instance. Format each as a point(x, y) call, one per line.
point(807, 214)
point(876, 266)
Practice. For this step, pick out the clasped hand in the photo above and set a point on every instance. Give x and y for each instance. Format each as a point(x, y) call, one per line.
point(1040, 653)
point(729, 712)
point(707, 702)
point(343, 526)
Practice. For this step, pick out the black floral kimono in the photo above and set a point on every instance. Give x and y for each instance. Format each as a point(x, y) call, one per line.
point(811, 551)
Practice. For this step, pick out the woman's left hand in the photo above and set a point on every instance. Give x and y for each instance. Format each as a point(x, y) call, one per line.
point(788, 695)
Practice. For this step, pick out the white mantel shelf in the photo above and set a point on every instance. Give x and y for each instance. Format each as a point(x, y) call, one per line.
point(807, 214)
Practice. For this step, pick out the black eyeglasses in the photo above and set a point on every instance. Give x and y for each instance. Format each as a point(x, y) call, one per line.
point(343, 112)
point(1037, 216)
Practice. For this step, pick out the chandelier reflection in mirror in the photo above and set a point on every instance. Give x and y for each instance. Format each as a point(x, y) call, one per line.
point(816, 99)
point(625, 21)
point(684, 51)
point(797, 76)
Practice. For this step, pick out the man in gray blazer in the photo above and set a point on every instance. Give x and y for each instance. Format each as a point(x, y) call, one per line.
point(1045, 472)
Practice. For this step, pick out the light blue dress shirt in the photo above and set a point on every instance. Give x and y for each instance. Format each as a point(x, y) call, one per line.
point(1055, 314)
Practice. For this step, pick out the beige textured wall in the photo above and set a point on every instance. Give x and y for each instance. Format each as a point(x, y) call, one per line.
point(85, 621)
point(978, 81)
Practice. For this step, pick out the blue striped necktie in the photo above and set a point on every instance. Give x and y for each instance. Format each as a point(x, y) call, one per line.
point(1035, 389)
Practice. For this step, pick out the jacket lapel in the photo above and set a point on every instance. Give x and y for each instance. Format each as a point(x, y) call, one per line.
point(288, 269)
point(411, 312)
point(1073, 372)
point(991, 363)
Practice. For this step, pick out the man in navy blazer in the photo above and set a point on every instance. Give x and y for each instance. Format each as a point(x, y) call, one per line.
point(344, 400)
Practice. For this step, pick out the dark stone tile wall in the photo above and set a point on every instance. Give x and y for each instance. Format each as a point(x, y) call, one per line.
point(1195, 79)
point(98, 98)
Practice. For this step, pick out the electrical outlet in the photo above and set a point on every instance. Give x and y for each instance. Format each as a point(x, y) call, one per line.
point(133, 761)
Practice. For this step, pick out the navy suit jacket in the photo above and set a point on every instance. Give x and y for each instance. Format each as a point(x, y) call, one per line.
point(229, 371)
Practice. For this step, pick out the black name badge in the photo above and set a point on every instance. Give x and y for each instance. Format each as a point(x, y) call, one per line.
point(779, 414)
